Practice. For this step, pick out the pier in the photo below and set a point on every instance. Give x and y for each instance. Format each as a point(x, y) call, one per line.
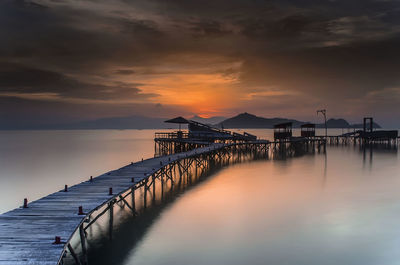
point(367, 136)
point(41, 232)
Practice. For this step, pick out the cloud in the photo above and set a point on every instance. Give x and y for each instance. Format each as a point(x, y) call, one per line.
point(25, 82)
point(124, 72)
point(228, 54)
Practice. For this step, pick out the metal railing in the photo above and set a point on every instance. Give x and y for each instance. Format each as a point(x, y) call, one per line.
point(171, 135)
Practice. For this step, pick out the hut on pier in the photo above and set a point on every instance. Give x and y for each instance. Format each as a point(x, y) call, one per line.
point(283, 131)
point(308, 130)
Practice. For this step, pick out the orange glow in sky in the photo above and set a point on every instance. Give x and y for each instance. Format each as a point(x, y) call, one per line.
point(205, 94)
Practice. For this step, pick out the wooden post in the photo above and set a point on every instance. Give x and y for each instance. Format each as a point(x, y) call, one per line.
point(162, 186)
point(154, 189)
point(111, 206)
point(133, 200)
point(25, 203)
point(57, 240)
point(66, 188)
point(145, 194)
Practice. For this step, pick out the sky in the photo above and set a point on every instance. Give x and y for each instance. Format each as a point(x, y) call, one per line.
point(70, 60)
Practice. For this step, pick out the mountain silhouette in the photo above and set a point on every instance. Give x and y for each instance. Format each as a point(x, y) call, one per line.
point(243, 120)
point(247, 120)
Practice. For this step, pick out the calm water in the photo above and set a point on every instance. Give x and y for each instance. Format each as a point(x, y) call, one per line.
point(284, 212)
point(338, 208)
point(36, 163)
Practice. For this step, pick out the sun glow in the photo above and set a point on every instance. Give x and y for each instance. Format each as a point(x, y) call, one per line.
point(200, 93)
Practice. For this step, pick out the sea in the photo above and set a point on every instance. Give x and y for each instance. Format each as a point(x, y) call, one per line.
point(339, 207)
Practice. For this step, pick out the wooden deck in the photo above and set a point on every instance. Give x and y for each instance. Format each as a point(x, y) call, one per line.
point(27, 234)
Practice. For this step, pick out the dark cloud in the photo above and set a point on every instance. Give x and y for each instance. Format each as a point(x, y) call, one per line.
point(16, 79)
point(295, 30)
point(19, 113)
point(326, 52)
point(124, 72)
point(210, 28)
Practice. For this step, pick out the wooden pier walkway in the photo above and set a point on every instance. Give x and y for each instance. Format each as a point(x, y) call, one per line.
point(28, 235)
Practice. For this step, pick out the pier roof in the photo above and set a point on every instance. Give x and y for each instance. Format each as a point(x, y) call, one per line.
point(179, 120)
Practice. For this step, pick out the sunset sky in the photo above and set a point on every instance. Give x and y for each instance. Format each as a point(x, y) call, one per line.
point(70, 60)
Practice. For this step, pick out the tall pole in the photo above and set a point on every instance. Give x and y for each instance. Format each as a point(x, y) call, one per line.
point(323, 111)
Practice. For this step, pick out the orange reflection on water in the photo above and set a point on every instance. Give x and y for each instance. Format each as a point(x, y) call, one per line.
point(296, 211)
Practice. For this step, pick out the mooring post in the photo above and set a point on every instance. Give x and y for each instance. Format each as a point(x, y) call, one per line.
point(80, 210)
point(57, 240)
point(25, 203)
point(83, 244)
point(65, 188)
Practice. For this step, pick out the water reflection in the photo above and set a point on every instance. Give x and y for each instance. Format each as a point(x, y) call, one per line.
point(263, 212)
point(272, 212)
point(129, 229)
point(107, 237)
point(369, 150)
point(324, 176)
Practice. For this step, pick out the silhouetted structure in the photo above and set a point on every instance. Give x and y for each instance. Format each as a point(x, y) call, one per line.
point(198, 135)
point(366, 136)
point(371, 124)
point(308, 130)
point(178, 120)
point(283, 131)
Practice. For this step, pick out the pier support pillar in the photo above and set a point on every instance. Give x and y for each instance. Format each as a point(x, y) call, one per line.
point(111, 225)
point(83, 244)
point(133, 201)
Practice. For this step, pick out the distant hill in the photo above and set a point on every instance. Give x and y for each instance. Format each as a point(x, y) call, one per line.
point(246, 120)
point(360, 125)
point(335, 123)
point(130, 122)
point(243, 120)
point(135, 122)
point(342, 123)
